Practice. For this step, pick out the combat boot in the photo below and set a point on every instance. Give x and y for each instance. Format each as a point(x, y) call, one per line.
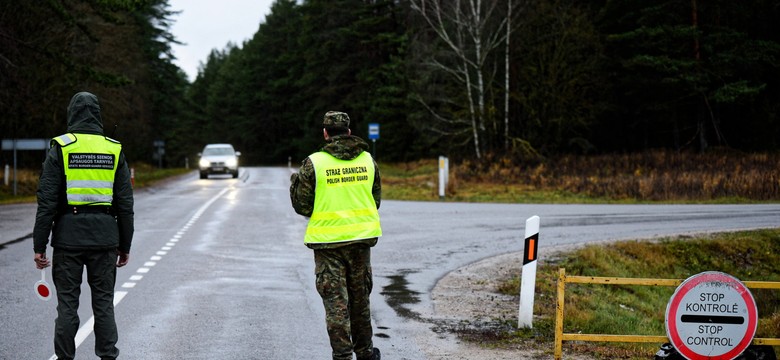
point(375, 355)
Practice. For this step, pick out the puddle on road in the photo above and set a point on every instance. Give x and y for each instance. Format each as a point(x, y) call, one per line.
point(398, 296)
point(381, 334)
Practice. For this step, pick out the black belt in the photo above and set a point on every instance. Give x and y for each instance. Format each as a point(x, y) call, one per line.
point(96, 209)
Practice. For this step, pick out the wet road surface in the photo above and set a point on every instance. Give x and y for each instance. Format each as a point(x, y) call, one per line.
point(218, 269)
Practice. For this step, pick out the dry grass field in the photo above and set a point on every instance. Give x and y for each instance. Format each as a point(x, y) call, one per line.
point(657, 176)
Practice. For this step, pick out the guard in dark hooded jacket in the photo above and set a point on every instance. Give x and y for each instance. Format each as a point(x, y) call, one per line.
point(85, 201)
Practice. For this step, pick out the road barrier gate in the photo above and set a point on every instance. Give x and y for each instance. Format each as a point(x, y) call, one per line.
point(560, 336)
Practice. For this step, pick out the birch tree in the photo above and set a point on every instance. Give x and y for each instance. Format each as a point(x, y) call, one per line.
point(470, 31)
point(506, 72)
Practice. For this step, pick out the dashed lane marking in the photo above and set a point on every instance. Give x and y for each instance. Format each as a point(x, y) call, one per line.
point(86, 329)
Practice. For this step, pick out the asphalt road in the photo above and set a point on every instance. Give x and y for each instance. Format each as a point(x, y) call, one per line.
point(218, 269)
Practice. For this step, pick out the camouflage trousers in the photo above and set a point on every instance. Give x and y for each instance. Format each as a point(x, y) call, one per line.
point(344, 283)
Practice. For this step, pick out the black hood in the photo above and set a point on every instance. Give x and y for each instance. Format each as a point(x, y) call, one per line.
point(84, 114)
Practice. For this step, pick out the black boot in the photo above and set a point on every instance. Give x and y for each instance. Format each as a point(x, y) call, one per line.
point(375, 355)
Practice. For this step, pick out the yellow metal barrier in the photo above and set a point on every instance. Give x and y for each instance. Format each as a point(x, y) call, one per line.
point(560, 336)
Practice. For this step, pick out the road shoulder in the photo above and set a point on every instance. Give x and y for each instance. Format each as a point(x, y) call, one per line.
point(467, 296)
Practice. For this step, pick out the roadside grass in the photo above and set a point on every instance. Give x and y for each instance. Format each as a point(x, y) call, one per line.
point(651, 177)
point(419, 181)
point(27, 181)
point(640, 310)
point(147, 175)
point(26, 186)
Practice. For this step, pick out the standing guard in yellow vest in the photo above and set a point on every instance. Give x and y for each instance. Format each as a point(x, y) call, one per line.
point(85, 201)
point(339, 189)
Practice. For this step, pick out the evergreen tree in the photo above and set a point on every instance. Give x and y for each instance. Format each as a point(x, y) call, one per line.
point(118, 50)
point(686, 70)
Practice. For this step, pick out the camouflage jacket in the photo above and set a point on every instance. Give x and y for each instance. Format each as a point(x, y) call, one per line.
point(345, 147)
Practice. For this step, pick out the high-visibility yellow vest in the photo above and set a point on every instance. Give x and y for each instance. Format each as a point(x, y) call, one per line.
point(90, 162)
point(344, 209)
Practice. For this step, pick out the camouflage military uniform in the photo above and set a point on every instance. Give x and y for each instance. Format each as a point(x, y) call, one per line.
point(343, 270)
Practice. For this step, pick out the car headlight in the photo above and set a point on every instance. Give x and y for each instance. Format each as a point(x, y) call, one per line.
point(204, 163)
point(231, 162)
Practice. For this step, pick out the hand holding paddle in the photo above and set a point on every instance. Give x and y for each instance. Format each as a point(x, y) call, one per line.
point(41, 262)
point(42, 288)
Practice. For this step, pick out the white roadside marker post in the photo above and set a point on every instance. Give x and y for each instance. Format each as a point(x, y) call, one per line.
point(444, 175)
point(528, 280)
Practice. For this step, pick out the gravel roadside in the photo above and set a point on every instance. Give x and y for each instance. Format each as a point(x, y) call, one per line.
point(467, 298)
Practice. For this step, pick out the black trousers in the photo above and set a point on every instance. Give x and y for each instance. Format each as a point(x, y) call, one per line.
point(67, 271)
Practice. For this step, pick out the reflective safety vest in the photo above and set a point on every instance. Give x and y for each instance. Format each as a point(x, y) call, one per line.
point(344, 208)
point(90, 162)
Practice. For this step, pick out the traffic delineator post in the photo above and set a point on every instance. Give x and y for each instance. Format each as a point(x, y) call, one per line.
point(528, 279)
point(444, 178)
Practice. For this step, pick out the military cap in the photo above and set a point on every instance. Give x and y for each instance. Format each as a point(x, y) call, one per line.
point(336, 119)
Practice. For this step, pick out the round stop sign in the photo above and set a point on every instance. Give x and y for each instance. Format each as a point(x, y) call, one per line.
point(711, 315)
point(42, 289)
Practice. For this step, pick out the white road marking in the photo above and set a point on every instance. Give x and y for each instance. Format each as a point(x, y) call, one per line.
point(86, 329)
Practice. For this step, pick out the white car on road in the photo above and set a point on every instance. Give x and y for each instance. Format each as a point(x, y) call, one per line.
point(218, 159)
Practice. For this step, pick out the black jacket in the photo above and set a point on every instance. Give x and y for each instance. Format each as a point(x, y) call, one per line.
point(83, 230)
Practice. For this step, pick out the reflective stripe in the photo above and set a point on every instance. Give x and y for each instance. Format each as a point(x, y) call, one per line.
point(333, 215)
point(65, 139)
point(343, 229)
point(89, 199)
point(96, 184)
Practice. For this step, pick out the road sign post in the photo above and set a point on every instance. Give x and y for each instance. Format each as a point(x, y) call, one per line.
point(711, 315)
point(159, 151)
point(23, 144)
point(373, 135)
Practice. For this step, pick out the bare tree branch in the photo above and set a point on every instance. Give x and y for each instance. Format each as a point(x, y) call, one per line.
point(470, 31)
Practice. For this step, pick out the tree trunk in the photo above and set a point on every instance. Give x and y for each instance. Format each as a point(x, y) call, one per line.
point(506, 74)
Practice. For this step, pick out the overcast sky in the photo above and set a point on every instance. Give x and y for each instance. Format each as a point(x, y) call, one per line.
point(204, 25)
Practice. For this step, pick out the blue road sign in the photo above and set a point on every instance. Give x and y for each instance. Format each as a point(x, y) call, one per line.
point(373, 131)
